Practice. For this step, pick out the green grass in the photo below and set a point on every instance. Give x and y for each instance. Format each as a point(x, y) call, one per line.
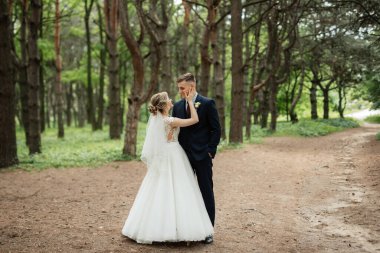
point(373, 119)
point(307, 128)
point(82, 147)
point(378, 136)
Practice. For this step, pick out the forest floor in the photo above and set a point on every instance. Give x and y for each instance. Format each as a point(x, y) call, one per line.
point(287, 194)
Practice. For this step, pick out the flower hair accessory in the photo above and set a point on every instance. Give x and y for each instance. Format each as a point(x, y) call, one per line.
point(197, 104)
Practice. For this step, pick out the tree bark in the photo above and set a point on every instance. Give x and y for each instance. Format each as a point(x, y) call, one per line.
point(160, 23)
point(69, 104)
point(342, 99)
point(183, 62)
point(325, 91)
point(103, 55)
point(206, 61)
point(313, 99)
point(8, 147)
point(23, 71)
point(255, 79)
point(296, 98)
point(90, 97)
point(218, 79)
point(42, 81)
point(112, 22)
point(42, 94)
point(237, 94)
point(58, 65)
point(80, 90)
point(34, 78)
point(264, 107)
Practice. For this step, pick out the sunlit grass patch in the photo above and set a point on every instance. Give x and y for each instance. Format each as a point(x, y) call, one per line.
point(309, 128)
point(81, 147)
point(373, 119)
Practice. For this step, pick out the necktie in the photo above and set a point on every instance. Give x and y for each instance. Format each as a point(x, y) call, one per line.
point(188, 114)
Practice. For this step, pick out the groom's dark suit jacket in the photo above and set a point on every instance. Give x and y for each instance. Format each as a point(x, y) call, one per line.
point(202, 138)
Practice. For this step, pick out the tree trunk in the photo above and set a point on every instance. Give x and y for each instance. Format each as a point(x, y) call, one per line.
point(296, 98)
point(42, 95)
point(123, 83)
point(8, 147)
point(264, 107)
point(112, 20)
point(183, 62)
point(69, 104)
point(133, 115)
point(342, 99)
point(237, 94)
point(313, 99)
point(273, 104)
point(103, 55)
point(80, 90)
point(206, 62)
point(246, 71)
point(34, 78)
point(194, 48)
point(139, 95)
point(325, 93)
point(42, 81)
point(255, 79)
point(58, 65)
point(23, 72)
point(218, 79)
point(90, 98)
point(160, 24)
point(48, 104)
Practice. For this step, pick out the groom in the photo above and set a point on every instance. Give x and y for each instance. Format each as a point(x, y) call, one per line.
point(199, 141)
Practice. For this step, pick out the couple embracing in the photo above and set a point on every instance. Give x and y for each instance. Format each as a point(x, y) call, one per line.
point(175, 201)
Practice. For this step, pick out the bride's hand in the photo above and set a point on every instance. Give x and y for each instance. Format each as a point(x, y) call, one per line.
point(190, 94)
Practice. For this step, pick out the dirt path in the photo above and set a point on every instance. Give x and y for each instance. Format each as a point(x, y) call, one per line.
point(285, 195)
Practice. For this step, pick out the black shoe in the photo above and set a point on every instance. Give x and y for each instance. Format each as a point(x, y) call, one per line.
point(209, 239)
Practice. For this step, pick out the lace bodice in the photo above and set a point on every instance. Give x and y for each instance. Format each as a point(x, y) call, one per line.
point(170, 132)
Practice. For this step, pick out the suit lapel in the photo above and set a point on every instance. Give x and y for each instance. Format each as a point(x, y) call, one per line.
point(198, 99)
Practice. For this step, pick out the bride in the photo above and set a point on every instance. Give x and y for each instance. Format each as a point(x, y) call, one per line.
point(169, 205)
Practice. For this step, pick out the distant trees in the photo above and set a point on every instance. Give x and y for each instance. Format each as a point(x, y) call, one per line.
point(259, 60)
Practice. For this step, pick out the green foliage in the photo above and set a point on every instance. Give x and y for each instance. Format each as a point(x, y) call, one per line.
point(373, 90)
point(80, 148)
point(378, 136)
point(78, 75)
point(373, 119)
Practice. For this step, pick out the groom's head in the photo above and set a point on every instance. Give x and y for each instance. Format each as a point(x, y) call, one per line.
point(185, 82)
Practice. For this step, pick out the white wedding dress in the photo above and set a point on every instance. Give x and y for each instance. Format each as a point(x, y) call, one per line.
point(169, 205)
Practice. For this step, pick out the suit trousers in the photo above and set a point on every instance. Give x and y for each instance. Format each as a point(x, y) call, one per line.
point(203, 171)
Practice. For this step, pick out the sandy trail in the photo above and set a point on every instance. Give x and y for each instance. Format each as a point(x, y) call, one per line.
point(285, 195)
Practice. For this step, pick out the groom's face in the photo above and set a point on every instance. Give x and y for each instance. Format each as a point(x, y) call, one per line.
point(184, 87)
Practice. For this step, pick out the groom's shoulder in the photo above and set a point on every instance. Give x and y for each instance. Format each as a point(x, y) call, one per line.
point(206, 100)
point(178, 102)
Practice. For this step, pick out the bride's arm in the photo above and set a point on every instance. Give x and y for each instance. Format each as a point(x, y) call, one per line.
point(177, 122)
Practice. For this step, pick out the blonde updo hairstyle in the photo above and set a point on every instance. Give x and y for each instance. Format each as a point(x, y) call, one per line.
point(158, 103)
